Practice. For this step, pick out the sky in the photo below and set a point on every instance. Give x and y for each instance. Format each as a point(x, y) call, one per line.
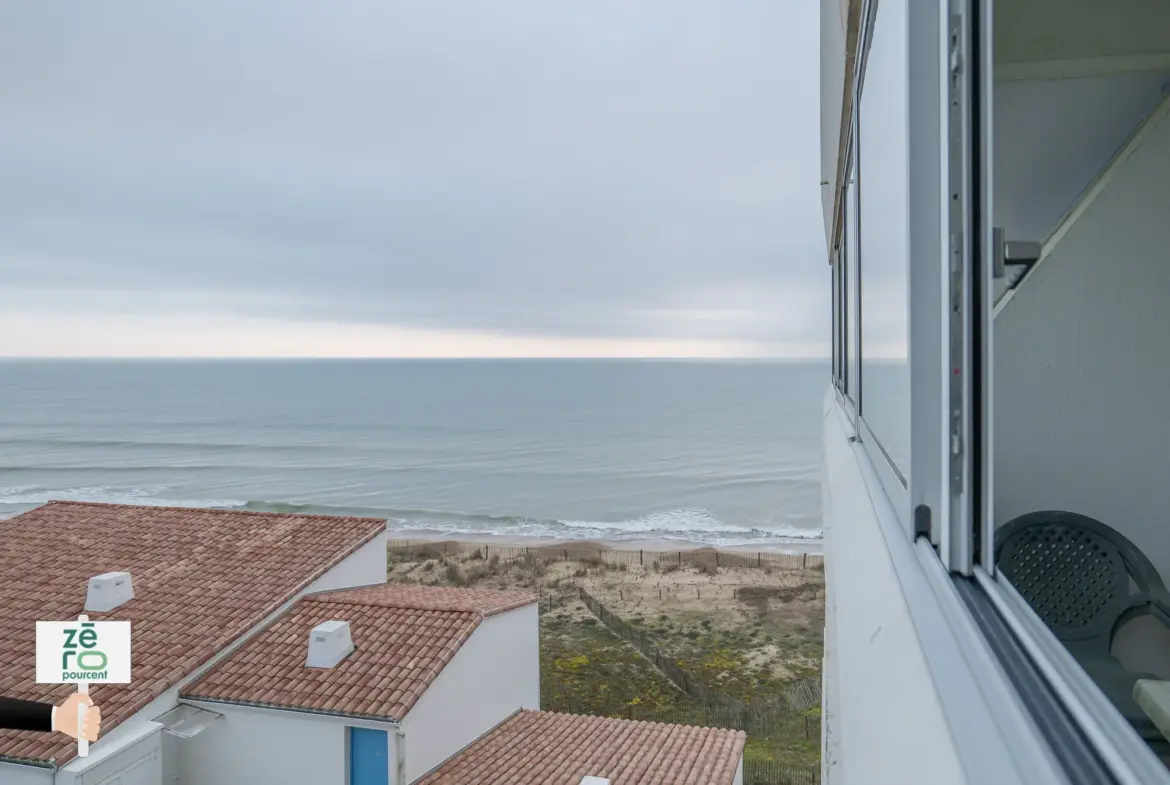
point(375, 178)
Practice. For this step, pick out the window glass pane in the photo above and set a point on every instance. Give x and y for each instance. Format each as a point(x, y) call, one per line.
point(883, 207)
point(852, 379)
point(836, 333)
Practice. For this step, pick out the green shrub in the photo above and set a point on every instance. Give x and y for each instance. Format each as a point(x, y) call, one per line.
point(454, 577)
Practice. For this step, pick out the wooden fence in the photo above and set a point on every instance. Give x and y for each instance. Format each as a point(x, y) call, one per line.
point(552, 553)
point(783, 714)
point(769, 772)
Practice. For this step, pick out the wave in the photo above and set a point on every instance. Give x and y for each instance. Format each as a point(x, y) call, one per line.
point(31, 495)
point(691, 525)
point(695, 525)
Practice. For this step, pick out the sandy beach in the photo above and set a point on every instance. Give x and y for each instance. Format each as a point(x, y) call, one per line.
point(794, 546)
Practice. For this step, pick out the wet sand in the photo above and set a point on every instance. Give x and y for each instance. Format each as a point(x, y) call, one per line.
point(781, 546)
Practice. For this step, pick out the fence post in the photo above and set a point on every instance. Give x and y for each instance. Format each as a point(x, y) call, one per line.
point(716, 559)
point(566, 554)
point(641, 559)
point(680, 558)
point(759, 559)
point(804, 561)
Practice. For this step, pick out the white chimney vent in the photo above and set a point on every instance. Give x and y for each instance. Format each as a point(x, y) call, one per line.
point(594, 781)
point(108, 590)
point(329, 644)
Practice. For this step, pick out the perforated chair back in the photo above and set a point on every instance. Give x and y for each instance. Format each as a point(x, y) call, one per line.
point(1075, 573)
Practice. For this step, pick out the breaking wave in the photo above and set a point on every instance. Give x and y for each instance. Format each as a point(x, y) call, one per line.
point(691, 525)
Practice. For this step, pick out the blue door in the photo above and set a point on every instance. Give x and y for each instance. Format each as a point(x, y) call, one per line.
point(369, 762)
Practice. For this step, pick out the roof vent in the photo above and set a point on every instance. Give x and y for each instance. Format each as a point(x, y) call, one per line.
point(594, 781)
point(329, 644)
point(108, 590)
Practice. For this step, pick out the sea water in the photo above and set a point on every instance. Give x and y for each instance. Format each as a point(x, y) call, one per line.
point(711, 452)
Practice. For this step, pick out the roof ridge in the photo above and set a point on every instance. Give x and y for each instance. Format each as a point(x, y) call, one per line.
point(512, 598)
point(219, 510)
point(405, 606)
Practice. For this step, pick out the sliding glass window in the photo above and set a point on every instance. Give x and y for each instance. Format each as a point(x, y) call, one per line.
point(851, 283)
point(835, 274)
point(883, 211)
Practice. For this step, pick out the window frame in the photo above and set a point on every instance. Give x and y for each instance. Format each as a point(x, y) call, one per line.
point(851, 277)
point(926, 307)
point(950, 338)
point(1102, 727)
point(835, 352)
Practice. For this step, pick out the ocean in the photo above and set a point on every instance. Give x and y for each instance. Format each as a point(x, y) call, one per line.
point(722, 453)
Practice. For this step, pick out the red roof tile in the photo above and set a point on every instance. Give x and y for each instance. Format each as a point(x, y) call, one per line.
point(546, 748)
point(403, 636)
point(201, 579)
point(434, 598)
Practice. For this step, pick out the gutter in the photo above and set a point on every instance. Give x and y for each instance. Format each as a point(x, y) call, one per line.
point(195, 700)
point(50, 764)
point(400, 755)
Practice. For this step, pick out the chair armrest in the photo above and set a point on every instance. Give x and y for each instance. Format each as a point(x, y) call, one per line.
point(1160, 605)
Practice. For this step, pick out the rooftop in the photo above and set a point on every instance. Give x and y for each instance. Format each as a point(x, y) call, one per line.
point(546, 748)
point(403, 636)
point(202, 578)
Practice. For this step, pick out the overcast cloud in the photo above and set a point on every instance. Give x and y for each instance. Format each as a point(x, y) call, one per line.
point(404, 178)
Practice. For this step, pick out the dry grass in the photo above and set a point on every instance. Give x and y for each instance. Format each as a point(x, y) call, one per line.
point(750, 632)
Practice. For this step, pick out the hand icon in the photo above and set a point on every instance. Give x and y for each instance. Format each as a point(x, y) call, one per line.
point(65, 717)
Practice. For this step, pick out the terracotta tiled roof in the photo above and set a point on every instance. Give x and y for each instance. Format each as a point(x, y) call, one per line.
point(201, 579)
point(546, 748)
point(403, 636)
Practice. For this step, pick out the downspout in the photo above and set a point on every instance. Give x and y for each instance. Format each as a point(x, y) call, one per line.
point(400, 755)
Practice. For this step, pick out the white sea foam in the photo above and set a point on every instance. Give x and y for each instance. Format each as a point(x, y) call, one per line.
point(691, 524)
point(150, 497)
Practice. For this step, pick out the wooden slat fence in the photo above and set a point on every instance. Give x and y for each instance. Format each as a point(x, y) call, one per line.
point(698, 557)
point(785, 713)
point(767, 772)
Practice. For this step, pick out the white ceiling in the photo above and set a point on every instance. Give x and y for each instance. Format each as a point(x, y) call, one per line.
point(1028, 31)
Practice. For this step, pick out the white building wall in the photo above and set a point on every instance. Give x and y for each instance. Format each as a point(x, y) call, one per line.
point(1053, 137)
point(138, 762)
point(494, 673)
point(738, 773)
point(364, 566)
point(254, 745)
point(883, 721)
point(18, 774)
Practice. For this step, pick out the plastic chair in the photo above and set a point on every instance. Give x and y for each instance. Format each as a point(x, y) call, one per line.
point(1075, 572)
